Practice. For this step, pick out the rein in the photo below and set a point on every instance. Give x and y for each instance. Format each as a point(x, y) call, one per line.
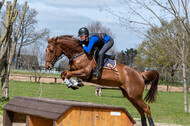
point(76, 56)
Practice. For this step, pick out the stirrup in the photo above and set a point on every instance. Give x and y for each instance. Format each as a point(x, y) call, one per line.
point(95, 71)
point(99, 74)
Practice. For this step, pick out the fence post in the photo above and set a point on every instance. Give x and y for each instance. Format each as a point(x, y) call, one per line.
point(39, 79)
point(30, 79)
point(96, 90)
point(35, 79)
point(55, 80)
point(100, 91)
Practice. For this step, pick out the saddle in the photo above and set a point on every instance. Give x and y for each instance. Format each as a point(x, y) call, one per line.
point(109, 60)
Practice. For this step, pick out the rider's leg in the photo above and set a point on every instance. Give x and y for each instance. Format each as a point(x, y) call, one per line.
point(104, 49)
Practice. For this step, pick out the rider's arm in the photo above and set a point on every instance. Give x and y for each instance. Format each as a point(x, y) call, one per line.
point(92, 41)
point(106, 38)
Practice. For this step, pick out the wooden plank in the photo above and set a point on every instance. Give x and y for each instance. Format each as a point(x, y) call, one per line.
point(37, 105)
point(37, 113)
point(27, 120)
point(78, 116)
point(61, 103)
point(7, 118)
point(54, 122)
point(108, 87)
point(19, 118)
point(35, 121)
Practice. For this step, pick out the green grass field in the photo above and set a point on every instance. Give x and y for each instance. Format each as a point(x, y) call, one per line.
point(167, 109)
point(33, 73)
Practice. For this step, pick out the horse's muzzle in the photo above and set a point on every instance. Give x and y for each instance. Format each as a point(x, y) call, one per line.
point(48, 66)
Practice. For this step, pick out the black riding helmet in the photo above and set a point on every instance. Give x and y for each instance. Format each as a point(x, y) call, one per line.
point(83, 31)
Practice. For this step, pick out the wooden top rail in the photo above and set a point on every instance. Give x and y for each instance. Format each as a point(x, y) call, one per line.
point(107, 87)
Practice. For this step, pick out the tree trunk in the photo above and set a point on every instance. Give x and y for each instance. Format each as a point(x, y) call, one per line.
point(184, 87)
point(184, 75)
point(5, 86)
point(189, 105)
point(18, 57)
point(4, 79)
point(10, 52)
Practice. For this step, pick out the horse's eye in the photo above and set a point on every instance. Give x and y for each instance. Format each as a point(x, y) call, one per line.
point(51, 51)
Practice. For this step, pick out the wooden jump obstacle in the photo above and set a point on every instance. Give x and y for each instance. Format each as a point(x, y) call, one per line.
point(57, 112)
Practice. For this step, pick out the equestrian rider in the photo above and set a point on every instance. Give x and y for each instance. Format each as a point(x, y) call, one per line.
point(100, 40)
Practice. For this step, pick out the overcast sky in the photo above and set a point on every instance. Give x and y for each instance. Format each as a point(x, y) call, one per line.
point(65, 17)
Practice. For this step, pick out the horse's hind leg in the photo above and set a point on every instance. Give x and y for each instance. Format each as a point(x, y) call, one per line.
point(141, 111)
point(146, 109)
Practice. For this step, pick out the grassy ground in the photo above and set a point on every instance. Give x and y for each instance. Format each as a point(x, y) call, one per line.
point(167, 109)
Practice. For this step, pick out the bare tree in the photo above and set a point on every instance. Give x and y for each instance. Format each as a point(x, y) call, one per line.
point(144, 15)
point(28, 33)
point(8, 45)
point(96, 27)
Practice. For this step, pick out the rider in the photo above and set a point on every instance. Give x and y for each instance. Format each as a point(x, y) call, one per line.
point(101, 40)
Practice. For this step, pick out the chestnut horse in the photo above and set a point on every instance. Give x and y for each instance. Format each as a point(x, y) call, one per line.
point(130, 81)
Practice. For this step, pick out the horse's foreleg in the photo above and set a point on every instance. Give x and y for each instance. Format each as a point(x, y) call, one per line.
point(63, 75)
point(70, 82)
point(76, 73)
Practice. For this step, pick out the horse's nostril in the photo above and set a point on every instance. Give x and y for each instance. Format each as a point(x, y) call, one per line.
point(48, 67)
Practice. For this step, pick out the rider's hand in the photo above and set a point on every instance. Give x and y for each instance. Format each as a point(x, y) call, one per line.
point(81, 43)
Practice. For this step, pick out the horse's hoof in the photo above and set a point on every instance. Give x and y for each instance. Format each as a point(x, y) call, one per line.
point(80, 84)
point(74, 88)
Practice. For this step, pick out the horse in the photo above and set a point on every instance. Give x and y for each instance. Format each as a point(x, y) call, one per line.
point(130, 81)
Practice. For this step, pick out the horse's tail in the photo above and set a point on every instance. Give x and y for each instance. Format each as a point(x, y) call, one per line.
point(151, 77)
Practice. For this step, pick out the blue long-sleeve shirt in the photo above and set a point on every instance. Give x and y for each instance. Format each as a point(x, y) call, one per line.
point(93, 40)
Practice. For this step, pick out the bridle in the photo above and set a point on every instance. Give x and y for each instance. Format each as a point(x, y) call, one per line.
point(55, 58)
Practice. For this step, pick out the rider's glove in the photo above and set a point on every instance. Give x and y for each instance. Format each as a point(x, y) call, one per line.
point(81, 43)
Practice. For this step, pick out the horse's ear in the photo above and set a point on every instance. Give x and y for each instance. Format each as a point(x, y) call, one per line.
point(48, 38)
point(56, 39)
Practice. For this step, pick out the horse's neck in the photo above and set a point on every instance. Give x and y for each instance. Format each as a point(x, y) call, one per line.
point(70, 50)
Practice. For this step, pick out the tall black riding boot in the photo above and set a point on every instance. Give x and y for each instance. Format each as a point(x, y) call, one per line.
point(95, 73)
point(98, 68)
point(100, 64)
point(99, 71)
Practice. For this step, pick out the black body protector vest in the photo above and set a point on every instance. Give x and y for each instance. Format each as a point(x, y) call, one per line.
point(100, 36)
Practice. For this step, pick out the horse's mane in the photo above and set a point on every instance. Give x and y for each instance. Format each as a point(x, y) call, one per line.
point(68, 38)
